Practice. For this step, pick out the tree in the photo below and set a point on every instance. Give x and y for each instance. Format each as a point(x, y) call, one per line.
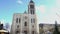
point(56, 31)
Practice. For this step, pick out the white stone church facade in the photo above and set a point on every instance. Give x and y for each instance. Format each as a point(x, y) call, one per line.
point(25, 23)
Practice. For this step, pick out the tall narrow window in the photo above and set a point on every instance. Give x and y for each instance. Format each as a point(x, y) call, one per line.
point(33, 12)
point(19, 20)
point(31, 20)
point(25, 24)
point(16, 20)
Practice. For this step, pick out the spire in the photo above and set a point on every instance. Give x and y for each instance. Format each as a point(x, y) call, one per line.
point(31, 1)
point(31, 7)
point(25, 12)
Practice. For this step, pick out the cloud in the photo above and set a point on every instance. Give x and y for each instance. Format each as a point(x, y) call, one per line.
point(58, 10)
point(46, 15)
point(58, 3)
point(19, 2)
point(41, 8)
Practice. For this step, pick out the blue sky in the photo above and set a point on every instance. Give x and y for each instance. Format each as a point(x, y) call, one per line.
point(45, 10)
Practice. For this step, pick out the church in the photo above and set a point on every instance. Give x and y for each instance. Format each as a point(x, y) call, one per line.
point(25, 23)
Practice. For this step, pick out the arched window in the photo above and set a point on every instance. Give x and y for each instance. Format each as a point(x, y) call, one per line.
point(16, 20)
point(32, 20)
point(25, 24)
point(19, 20)
point(33, 12)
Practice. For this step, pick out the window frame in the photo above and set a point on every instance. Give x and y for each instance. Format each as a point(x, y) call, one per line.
point(16, 20)
point(25, 24)
point(19, 20)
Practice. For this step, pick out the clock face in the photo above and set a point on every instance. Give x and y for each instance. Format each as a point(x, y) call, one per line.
point(31, 6)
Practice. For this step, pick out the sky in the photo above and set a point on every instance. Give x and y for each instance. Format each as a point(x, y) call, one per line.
point(48, 11)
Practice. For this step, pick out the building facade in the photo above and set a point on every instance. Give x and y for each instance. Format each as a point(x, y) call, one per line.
point(47, 28)
point(25, 23)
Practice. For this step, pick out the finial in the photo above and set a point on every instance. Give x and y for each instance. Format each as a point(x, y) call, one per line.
point(31, 1)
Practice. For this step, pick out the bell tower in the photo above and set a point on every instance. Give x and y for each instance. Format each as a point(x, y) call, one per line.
point(31, 8)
